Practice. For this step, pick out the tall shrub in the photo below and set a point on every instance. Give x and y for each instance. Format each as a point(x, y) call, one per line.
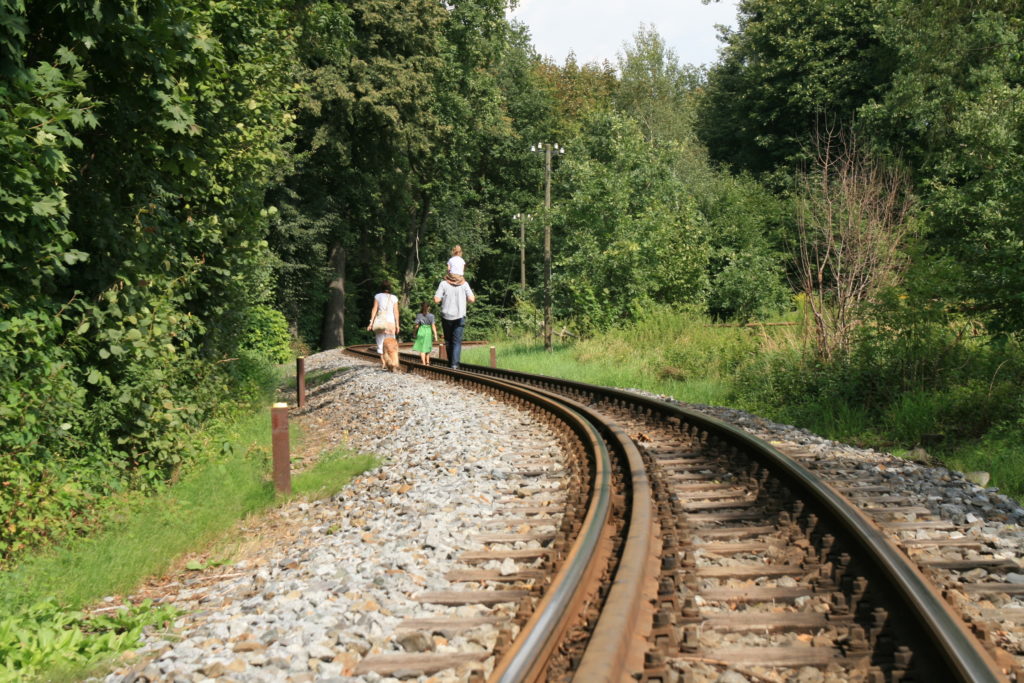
point(853, 221)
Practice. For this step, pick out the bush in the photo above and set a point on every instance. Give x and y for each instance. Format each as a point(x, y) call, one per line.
point(266, 335)
point(908, 376)
point(749, 286)
point(123, 420)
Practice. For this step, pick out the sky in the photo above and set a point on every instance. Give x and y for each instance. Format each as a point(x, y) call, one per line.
point(596, 29)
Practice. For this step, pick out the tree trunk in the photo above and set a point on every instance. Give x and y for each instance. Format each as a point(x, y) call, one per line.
point(333, 333)
point(412, 249)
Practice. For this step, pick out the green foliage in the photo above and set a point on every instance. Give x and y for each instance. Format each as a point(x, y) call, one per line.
point(44, 636)
point(912, 373)
point(999, 452)
point(142, 536)
point(414, 133)
point(656, 90)
point(401, 129)
point(630, 235)
point(135, 147)
point(577, 92)
point(266, 334)
point(750, 285)
point(934, 85)
point(955, 108)
point(785, 65)
point(746, 228)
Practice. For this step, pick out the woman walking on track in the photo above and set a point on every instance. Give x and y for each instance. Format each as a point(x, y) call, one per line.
point(384, 317)
point(426, 332)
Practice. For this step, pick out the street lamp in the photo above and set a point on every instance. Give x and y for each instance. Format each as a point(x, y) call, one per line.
point(522, 218)
point(548, 149)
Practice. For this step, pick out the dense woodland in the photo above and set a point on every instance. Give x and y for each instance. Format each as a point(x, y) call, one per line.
point(192, 189)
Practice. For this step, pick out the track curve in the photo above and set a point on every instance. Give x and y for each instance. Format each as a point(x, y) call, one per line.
point(624, 642)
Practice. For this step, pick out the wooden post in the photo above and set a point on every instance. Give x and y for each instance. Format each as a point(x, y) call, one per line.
point(494, 358)
point(300, 381)
point(281, 448)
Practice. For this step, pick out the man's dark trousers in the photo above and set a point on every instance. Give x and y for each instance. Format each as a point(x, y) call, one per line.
point(453, 330)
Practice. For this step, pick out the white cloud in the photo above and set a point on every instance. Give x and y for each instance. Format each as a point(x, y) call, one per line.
point(596, 29)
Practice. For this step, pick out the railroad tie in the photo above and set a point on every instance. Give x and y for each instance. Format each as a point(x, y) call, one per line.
point(482, 575)
point(473, 597)
point(408, 665)
point(738, 622)
point(481, 556)
point(792, 656)
point(733, 531)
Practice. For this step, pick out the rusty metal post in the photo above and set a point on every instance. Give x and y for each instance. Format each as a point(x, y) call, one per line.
point(281, 448)
point(494, 358)
point(300, 381)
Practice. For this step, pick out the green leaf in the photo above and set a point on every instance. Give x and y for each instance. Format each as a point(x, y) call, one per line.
point(48, 206)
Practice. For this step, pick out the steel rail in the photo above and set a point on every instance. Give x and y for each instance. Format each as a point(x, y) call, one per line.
point(617, 645)
point(964, 657)
point(528, 656)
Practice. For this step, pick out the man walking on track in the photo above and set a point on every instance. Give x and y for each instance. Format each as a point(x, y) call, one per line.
point(453, 300)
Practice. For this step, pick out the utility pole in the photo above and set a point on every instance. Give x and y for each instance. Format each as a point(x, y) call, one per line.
point(548, 148)
point(522, 218)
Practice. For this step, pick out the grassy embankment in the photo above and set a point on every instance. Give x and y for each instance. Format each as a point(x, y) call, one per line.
point(960, 399)
point(42, 632)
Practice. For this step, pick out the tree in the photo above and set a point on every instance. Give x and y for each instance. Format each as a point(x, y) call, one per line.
point(853, 221)
point(401, 129)
point(578, 91)
point(784, 65)
point(628, 232)
point(655, 89)
point(136, 142)
point(956, 110)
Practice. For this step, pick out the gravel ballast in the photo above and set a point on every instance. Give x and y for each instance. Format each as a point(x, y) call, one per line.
point(314, 606)
point(318, 602)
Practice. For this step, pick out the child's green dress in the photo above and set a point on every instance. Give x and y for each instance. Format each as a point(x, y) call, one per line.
point(425, 334)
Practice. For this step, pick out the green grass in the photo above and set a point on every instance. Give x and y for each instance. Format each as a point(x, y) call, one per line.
point(331, 474)
point(231, 484)
point(676, 354)
point(1000, 453)
point(146, 536)
point(968, 423)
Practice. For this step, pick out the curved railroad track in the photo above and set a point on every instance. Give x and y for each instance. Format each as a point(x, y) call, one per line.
point(687, 547)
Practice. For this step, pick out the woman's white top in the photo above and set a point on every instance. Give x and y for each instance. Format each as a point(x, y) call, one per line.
point(386, 306)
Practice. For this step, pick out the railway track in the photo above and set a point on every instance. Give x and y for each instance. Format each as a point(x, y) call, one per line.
point(685, 547)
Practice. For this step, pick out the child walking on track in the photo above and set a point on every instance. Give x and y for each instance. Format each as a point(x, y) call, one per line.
point(426, 333)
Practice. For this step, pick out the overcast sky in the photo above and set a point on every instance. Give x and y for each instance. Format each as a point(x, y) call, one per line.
point(596, 29)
